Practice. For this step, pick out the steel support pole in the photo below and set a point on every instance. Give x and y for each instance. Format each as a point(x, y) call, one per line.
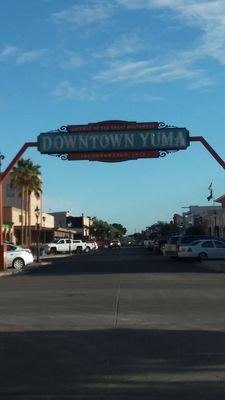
point(3, 265)
point(3, 175)
point(209, 148)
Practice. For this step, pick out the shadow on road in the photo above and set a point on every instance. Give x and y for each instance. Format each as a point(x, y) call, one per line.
point(117, 261)
point(112, 364)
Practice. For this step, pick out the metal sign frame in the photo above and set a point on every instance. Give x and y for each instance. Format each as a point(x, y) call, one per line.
point(113, 141)
point(117, 156)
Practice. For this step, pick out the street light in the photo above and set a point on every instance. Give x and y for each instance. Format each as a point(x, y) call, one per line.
point(215, 225)
point(37, 214)
point(69, 226)
point(2, 246)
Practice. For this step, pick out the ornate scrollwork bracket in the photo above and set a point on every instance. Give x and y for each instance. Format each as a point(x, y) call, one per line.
point(164, 153)
point(1, 159)
point(63, 129)
point(63, 157)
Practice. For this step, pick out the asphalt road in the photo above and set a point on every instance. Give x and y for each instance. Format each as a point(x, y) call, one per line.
point(120, 324)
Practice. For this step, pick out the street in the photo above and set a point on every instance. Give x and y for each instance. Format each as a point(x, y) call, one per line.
point(114, 324)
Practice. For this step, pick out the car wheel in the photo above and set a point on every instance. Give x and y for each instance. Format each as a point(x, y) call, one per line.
point(87, 249)
point(203, 256)
point(53, 251)
point(18, 264)
point(79, 250)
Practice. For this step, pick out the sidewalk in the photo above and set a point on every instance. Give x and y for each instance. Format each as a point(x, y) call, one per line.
point(28, 268)
point(35, 264)
point(212, 265)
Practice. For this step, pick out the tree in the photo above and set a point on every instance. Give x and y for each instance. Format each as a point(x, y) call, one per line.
point(26, 179)
point(102, 230)
point(120, 228)
point(195, 230)
point(162, 230)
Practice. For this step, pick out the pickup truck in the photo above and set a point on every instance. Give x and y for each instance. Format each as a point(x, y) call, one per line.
point(65, 246)
point(91, 246)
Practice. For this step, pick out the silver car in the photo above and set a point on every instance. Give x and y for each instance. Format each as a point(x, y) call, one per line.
point(17, 257)
point(203, 249)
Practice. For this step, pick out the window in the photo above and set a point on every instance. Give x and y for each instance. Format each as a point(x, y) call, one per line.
point(10, 247)
point(219, 245)
point(67, 240)
point(188, 239)
point(61, 241)
point(209, 244)
point(173, 239)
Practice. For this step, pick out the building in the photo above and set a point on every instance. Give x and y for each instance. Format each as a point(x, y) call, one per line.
point(178, 220)
point(210, 218)
point(80, 225)
point(49, 226)
point(14, 217)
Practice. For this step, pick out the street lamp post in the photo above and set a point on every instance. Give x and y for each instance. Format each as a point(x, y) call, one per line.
point(69, 225)
point(215, 225)
point(2, 245)
point(37, 214)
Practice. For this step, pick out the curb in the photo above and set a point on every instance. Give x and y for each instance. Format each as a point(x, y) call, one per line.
point(8, 273)
point(213, 266)
point(26, 270)
point(34, 266)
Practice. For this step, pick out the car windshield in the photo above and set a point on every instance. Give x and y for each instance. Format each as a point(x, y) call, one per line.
point(194, 242)
point(173, 239)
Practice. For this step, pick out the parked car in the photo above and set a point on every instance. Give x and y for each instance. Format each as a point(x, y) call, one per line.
point(65, 246)
point(148, 244)
point(173, 244)
point(114, 244)
point(17, 257)
point(91, 245)
point(158, 245)
point(78, 246)
point(101, 245)
point(203, 249)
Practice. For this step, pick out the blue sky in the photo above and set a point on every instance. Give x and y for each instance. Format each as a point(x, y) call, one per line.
point(73, 62)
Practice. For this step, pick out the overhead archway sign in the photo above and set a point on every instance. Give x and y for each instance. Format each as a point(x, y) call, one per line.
point(108, 141)
point(113, 140)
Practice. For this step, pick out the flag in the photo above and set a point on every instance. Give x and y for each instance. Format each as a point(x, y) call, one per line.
point(210, 186)
point(210, 192)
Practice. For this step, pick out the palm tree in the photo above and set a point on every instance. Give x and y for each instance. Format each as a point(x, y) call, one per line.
point(25, 178)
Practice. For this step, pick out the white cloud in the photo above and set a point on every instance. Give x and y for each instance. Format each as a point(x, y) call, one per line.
point(133, 72)
point(207, 15)
point(84, 14)
point(29, 56)
point(7, 52)
point(73, 61)
point(123, 46)
point(66, 91)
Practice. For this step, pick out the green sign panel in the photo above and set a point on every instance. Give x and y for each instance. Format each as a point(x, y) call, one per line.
point(158, 139)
